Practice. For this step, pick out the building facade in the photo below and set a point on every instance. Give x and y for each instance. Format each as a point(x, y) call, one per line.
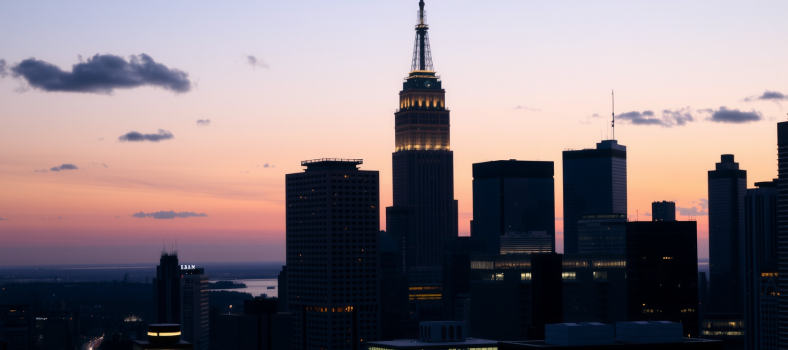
point(727, 188)
point(602, 234)
point(260, 327)
point(167, 290)
point(760, 231)
point(662, 272)
point(332, 254)
point(782, 232)
point(595, 182)
point(194, 298)
point(422, 162)
point(663, 211)
point(515, 199)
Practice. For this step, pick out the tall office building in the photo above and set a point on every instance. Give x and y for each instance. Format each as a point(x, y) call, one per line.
point(662, 272)
point(17, 326)
point(663, 211)
point(760, 232)
point(515, 199)
point(194, 298)
point(727, 188)
point(332, 254)
point(782, 231)
point(260, 327)
point(422, 162)
point(595, 182)
point(167, 290)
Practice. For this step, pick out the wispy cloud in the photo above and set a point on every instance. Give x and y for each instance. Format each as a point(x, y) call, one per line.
point(102, 74)
point(527, 109)
point(691, 211)
point(768, 96)
point(64, 167)
point(168, 215)
point(139, 137)
point(256, 62)
point(203, 122)
point(735, 116)
point(2, 219)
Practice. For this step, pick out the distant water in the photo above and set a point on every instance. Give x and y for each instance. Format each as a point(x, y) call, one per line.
point(255, 287)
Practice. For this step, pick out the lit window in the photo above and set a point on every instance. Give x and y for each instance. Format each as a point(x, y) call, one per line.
point(569, 275)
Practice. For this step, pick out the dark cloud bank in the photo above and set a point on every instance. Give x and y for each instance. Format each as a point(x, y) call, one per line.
point(680, 117)
point(139, 137)
point(64, 167)
point(102, 74)
point(169, 215)
point(769, 96)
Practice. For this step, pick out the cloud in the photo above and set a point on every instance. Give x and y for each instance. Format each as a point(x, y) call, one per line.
point(168, 215)
point(203, 122)
point(64, 167)
point(102, 74)
point(105, 165)
point(704, 204)
point(138, 137)
point(255, 62)
point(528, 109)
point(3, 69)
point(691, 211)
point(59, 218)
point(668, 118)
point(735, 116)
point(559, 219)
point(40, 171)
point(646, 214)
point(768, 96)
point(266, 165)
point(1, 219)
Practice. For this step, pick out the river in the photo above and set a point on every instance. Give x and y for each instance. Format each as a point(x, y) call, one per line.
point(255, 287)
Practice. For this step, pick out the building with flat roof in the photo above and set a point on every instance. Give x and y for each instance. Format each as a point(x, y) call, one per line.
point(595, 182)
point(333, 258)
point(194, 299)
point(663, 211)
point(602, 234)
point(514, 199)
point(662, 272)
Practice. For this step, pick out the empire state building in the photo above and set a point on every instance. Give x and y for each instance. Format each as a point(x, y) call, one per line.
point(424, 214)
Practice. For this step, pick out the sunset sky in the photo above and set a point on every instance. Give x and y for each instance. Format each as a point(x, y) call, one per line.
point(221, 99)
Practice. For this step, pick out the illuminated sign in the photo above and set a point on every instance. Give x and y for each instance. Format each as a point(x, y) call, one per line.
point(188, 267)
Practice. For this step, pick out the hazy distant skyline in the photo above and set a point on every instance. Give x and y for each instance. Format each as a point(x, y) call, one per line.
point(216, 103)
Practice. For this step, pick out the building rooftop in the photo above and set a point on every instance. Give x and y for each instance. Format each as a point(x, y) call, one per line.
point(331, 164)
point(527, 344)
point(416, 344)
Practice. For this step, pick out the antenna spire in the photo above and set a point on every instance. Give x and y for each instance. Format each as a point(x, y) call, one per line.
point(613, 124)
point(422, 57)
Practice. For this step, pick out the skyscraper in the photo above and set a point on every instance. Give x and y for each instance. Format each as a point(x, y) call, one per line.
point(727, 188)
point(782, 230)
point(422, 162)
point(663, 211)
point(194, 296)
point(513, 198)
point(167, 290)
point(332, 254)
point(760, 231)
point(662, 272)
point(595, 182)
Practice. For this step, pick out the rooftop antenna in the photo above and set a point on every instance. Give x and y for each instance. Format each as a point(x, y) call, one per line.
point(613, 124)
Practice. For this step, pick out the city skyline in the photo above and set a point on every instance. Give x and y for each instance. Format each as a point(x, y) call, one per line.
point(209, 160)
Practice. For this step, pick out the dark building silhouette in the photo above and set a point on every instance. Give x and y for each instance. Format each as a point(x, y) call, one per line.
point(333, 275)
point(703, 295)
point(761, 293)
point(663, 211)
point(194, 298)
point(456, 293)
point(594, 288)
point(396, 320)
point(167, 290)
point(662, 272)
point(595, 182)
point(514, 296)
point(17, 326)
point(422, 162)
point(513, 198)
point(727, 188)
point(282, 292)
point(782, 230)
point(602, 234)
point(260, 327)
